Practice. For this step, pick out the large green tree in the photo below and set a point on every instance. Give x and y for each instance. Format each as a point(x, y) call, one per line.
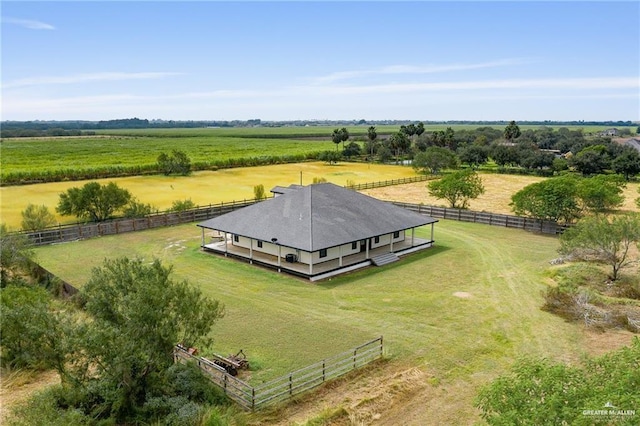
point(505, 155)
point(175, 163)
point(512, 131)
point(603, 239)
point(591, 160)
point(627, 162)
point(137, 314)
point(473, 155)
point(601, 193)
point(599, 391)
point(93, 201)
point(399, 143)
point(457, 188)
point(340, 135)
point(553, 199)
point(434, 159)
point(372, 136)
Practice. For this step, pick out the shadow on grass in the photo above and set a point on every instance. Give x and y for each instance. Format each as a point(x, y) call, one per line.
point(371, 271)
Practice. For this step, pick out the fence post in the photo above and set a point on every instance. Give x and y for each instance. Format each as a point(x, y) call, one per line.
point(323, 362)
point(253, 398)
point(355, 354)
point(290, 384)
point(381, 347)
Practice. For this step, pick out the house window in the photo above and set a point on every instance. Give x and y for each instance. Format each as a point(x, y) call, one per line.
point(396, 234)
point(354, 245)
point(376, 240)
point(236, 238)
point(323, 253)
point(259, 243)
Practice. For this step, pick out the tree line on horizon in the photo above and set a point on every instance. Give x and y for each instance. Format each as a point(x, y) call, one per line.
point(39, 128)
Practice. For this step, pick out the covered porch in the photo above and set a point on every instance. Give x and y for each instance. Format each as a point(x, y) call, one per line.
point(222, 244)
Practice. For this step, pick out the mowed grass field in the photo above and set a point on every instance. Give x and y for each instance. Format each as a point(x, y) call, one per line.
point(460, 313)
point(499, 188)
point(203, 188)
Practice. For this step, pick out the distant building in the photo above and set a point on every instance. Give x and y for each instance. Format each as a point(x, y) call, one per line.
point(610, 132)
point(317, 231)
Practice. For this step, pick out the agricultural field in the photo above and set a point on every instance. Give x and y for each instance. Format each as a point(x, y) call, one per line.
point(445, 334)
point(203, 188)
point(51, 154)
point(141, 147)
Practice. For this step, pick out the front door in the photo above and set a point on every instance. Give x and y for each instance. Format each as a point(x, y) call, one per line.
point(363, 246)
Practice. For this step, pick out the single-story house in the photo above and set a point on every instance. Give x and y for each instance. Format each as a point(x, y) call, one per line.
point(317, 231)
point(610, 132)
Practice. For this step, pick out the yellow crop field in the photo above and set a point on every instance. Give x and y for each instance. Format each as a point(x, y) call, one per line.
point(203, 188)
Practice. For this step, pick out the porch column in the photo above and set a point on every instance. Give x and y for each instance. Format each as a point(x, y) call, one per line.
point(202, 237)
point(432, 233)
point(391, 245)
point(310, 263)
point(367, 245)
point(413, 233)
point(279, 258)
point(340, 256)
point(225, 243)
point(251, 251)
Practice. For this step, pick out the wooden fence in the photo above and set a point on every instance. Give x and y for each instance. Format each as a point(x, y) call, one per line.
point(494, 219)
point(380, 184)
point(284, 387)
point(79, 231)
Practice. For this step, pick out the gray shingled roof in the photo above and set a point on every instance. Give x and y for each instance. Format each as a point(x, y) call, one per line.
point(317, 217)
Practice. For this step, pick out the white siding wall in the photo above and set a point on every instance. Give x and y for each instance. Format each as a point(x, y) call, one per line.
point(303, 256)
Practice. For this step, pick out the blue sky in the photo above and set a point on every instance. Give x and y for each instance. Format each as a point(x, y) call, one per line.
point(332, 60)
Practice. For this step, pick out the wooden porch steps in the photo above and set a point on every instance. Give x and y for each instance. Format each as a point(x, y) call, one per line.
point(384, 259)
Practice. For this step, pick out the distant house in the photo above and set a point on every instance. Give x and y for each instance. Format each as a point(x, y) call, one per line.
point(610, 132)
point(317, 231)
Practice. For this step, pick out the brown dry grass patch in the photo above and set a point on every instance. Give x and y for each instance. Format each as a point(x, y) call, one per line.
point(18, 386)
point(498, 191)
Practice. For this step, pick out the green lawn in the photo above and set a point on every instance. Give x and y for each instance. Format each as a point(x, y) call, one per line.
point(284, 323)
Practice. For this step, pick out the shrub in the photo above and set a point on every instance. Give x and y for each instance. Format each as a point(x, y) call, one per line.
point(35, 218)
point(137, 209)
point(258, 192)
point(182, 205)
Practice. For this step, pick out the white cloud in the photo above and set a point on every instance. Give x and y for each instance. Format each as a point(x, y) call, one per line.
point(506, 84)
point(415, 69)
point(83, 78)
point(589, 94)
point(29, 24)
